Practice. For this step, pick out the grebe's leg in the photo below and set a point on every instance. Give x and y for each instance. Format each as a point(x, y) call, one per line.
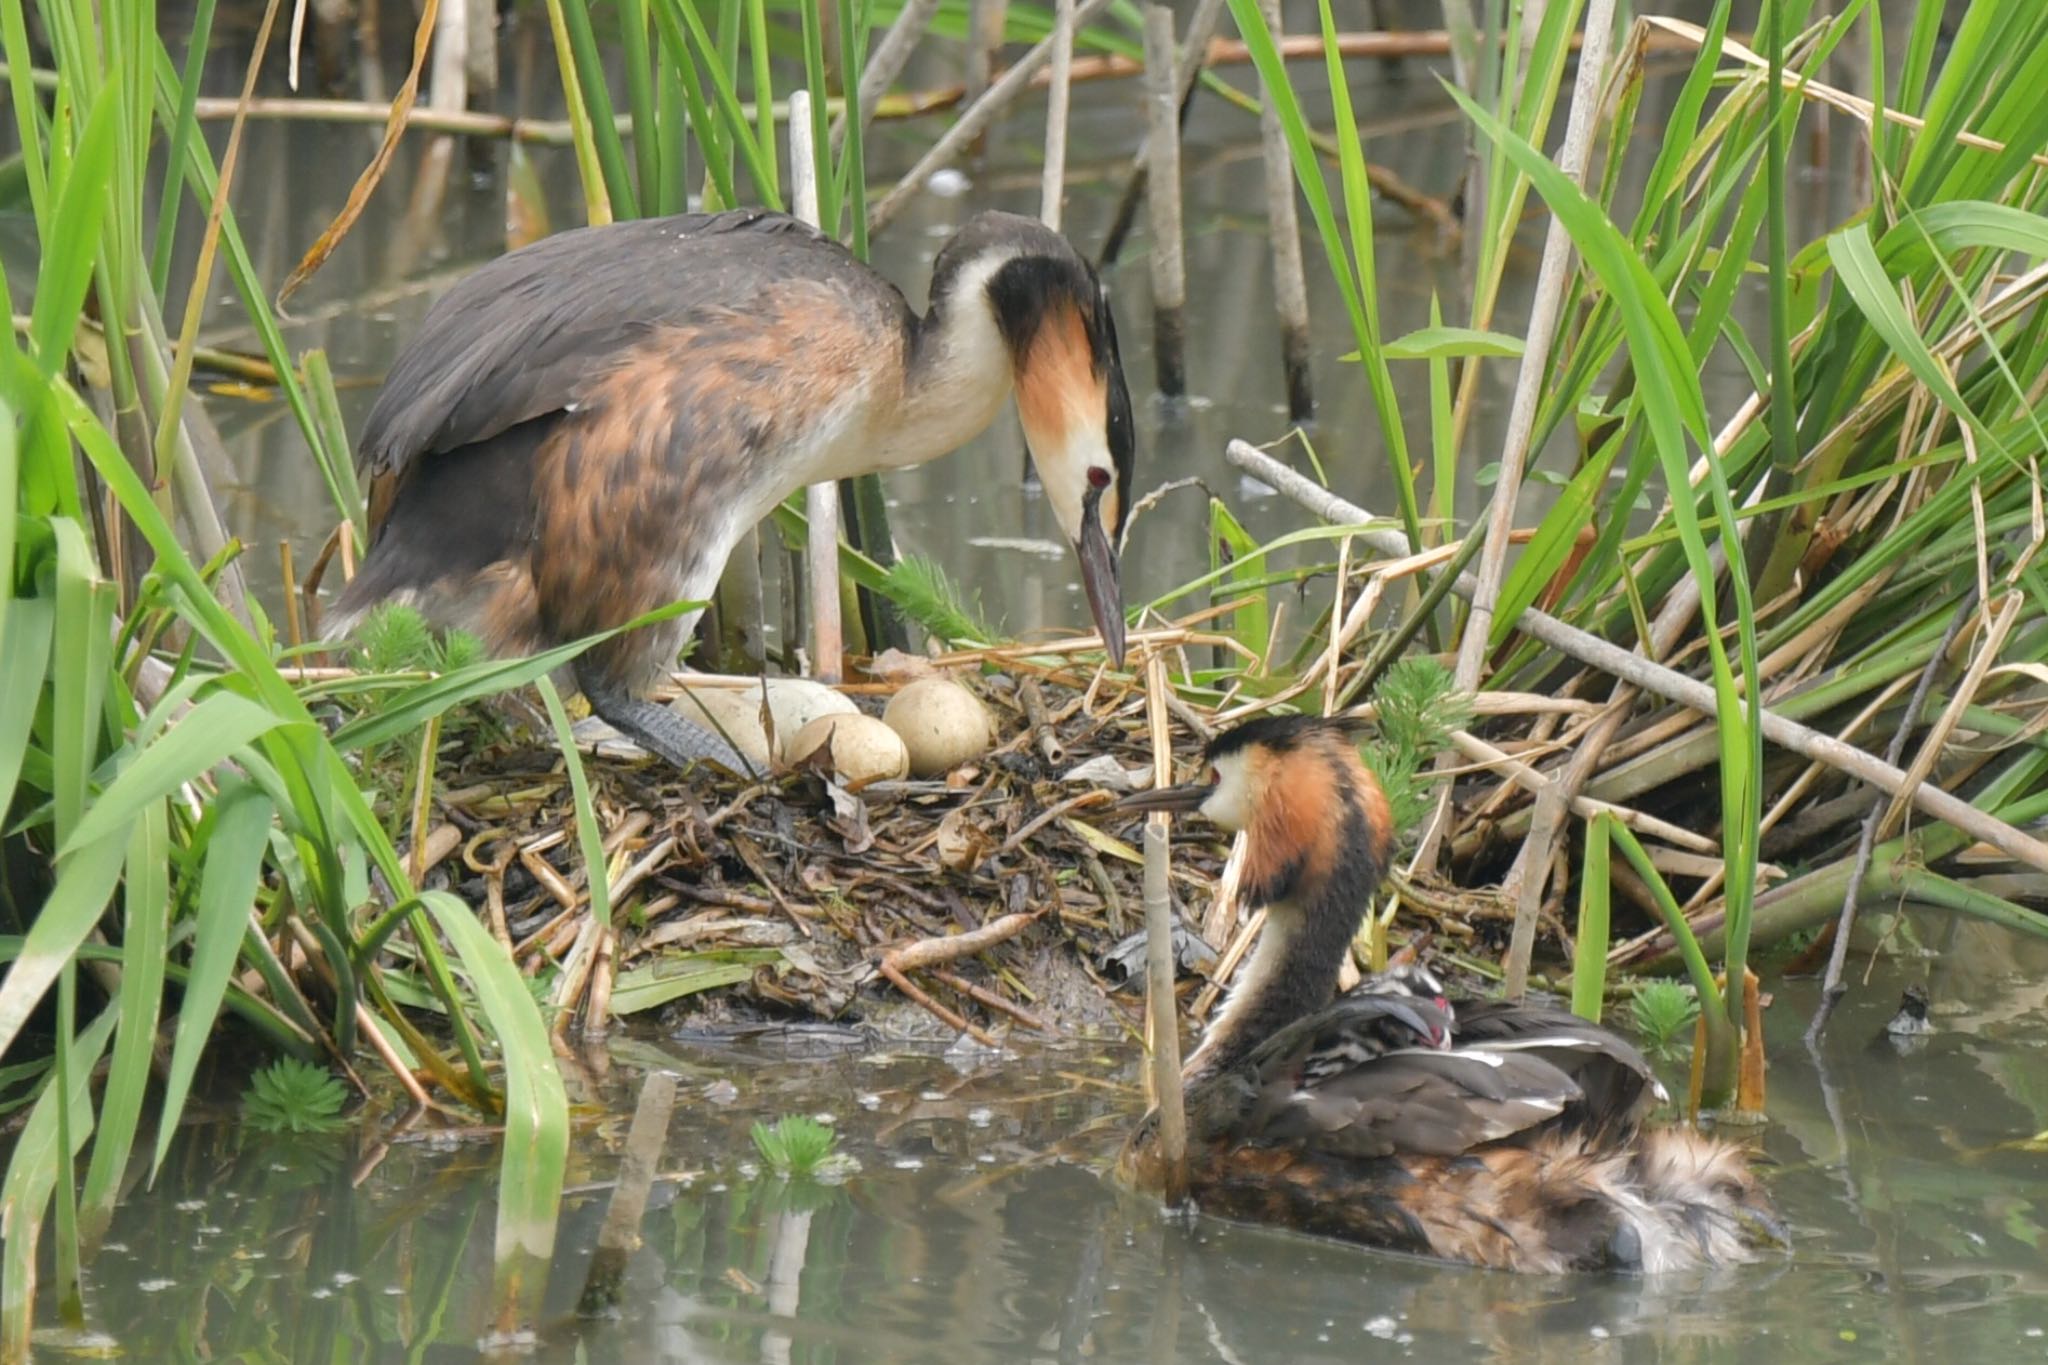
point(655, 727)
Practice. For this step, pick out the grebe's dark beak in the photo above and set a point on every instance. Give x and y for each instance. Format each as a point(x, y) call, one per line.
point(1100, 577)
point(1187, 796)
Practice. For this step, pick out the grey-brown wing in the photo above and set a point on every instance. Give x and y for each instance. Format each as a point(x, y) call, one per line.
point(1618, 1082)
point(1424, 1103)
point(517, 337)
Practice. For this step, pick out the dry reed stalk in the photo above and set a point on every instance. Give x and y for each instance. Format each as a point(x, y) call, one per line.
point(1162, 198)
point(1161, 1013)
point(991, 1000)
point(917, 995)
point(1586, 807)
point(821, 499)
point(1226, 966)
point(1053, 189)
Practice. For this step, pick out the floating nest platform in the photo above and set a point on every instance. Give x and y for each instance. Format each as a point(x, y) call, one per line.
point(1005, 896)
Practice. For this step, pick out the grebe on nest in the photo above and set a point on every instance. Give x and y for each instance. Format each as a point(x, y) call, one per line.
point(583, 429)
point(1503, 1135)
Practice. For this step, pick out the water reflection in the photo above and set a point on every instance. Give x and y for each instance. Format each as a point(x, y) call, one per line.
point(978, 1228)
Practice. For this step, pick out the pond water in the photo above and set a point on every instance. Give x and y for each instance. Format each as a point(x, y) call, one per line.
point(978, 1228)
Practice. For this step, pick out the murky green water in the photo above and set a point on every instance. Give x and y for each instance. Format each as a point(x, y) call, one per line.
point(978, 1229)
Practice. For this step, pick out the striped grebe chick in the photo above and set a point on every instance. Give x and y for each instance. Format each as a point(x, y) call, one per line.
point(583, 429)
point(1507, 1135)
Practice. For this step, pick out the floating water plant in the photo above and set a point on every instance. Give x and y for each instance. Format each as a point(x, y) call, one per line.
point(1663, 1010)
point(291, 1096)
point(794, 1144)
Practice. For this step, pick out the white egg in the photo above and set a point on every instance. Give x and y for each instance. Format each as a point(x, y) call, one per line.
point(942, 725)
point(863, 749)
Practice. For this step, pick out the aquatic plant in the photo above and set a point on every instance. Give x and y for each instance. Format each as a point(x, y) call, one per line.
point(795, 1145)
point(291, 1096)
point(1662, 1010)
point(1418, 708)
point(924, 592)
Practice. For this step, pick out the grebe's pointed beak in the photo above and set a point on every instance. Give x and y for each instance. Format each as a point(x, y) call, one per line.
point(1100, 577)
point(1187, 796)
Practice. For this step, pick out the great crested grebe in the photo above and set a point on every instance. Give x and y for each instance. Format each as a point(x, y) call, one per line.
point(583, 429)
point(1503, 1135)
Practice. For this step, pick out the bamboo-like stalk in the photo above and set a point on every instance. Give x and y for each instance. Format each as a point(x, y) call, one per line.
point(1198, 49)
point(1290, 286)
point(821, 500)
point(1161, 1013)
point(1659, 680)
point(1052, 195)
point(1162, 197)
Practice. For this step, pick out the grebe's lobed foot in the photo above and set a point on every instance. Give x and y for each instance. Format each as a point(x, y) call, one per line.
point(659, 730)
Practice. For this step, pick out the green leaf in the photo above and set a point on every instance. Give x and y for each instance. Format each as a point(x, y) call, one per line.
point(71, 245)
point(536, 1106)
point(672, 978)
point(589, 836)
point(24, 654)
point(84, 881)
point(227, 890)
point(209, 733)
point(1438, 343)
point(32, 1171)
point(144, 934)
point(1589, 944)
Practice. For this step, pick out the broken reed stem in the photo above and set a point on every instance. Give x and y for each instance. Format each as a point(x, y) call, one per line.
point(987, 997)
point(1161, 1014)
point(1290, 286)
point(1162, 197)
point(936, 952)
point(821, 499)
point(1543, 311)
point(986, 20)
point(619, 1236)
point(1054, 188)
point(973, 121)
point(1550, 813)
point(1198, 48)
point(1656, 679)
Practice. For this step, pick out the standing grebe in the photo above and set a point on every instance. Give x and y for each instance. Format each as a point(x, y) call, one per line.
point(583, 429)
point(1503, 1135)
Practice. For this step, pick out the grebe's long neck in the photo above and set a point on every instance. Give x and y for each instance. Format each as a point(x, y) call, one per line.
point(1315, 852)
point(957, 373)
point(1293, 970)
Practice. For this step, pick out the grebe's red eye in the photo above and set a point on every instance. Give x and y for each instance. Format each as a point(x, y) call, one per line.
point(1098, 477)
point(1214, 777)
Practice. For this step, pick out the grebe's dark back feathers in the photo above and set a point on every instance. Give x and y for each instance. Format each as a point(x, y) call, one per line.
point(1619, 1086)
point(522, 334)
point(1421, 1102)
